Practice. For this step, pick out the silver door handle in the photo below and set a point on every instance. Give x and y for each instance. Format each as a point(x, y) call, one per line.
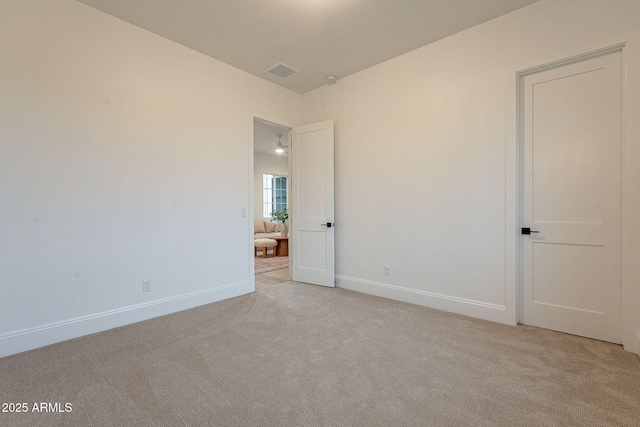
point(328, 225)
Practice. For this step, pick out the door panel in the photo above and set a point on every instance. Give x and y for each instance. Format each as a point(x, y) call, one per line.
point(568, 152)
point(312, 186)
point(315, 255)
point(572, 139)
point(549, 264)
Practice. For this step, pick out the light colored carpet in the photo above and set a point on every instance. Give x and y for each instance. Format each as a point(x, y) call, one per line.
point(301, 355)
point(262, 265)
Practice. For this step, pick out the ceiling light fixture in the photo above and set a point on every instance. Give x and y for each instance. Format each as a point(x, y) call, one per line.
point(279, 146)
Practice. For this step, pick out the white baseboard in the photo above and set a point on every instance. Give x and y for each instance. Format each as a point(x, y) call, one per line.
point(39, 336)
point(466, 307)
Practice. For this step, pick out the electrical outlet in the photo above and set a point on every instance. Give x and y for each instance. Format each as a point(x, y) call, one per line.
point(387, 270)
point(146, 285)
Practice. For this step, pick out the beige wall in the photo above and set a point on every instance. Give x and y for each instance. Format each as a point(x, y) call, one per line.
point(425, 169)
point(124, 157)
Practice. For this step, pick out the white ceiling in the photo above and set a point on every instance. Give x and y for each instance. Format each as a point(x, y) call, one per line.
point(316, 37)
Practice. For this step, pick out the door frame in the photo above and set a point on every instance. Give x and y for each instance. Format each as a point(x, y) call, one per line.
point(604, 325)
point(253, 115)
point(514, 165)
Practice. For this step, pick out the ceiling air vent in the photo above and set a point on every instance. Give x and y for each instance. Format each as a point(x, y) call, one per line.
point(282, 70)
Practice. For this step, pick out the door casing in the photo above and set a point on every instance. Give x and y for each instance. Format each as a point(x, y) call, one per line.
point(514, 167)
point(591, 235)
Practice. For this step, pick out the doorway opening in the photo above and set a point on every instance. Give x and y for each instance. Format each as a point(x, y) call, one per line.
point(271, 203)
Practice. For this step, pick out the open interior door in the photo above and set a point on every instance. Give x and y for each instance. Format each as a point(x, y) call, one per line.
point(312, 227)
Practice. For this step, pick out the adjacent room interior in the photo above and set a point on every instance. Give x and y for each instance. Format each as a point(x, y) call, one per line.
point(270, 172)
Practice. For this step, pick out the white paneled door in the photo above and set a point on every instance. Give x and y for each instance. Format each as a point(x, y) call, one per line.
point(572, 151)
point(312, 190)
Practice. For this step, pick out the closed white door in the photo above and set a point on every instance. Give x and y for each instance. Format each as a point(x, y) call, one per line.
point(571, 126)
point(312, 235)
